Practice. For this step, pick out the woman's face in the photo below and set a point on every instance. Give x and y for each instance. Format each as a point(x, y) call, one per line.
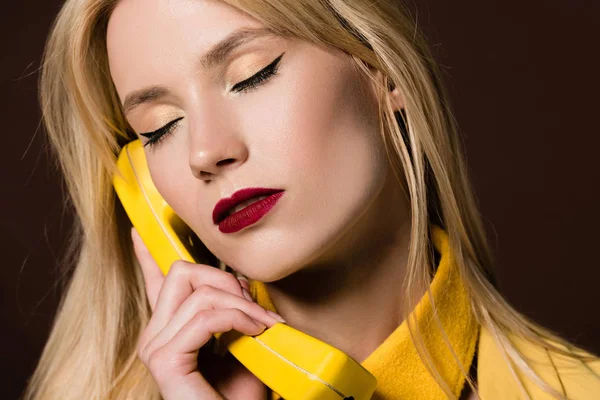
point(310, 130)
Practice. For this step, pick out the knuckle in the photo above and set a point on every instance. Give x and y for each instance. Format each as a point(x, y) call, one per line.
point(232, 282)
point(236, 313)
point(202, 316)
point(179, 267)
point(206, 319)
point(156, 360)
point(204, 292)
point(141, 352)
point(141, 343)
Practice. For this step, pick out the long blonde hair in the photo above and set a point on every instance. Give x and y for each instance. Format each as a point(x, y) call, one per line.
point(91, 352)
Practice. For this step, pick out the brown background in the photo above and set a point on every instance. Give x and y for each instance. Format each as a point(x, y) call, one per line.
point(523, 79)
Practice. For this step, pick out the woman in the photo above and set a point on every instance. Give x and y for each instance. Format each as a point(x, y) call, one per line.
point(334, 106)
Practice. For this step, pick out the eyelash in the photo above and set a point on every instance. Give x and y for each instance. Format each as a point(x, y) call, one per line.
point(246, 85)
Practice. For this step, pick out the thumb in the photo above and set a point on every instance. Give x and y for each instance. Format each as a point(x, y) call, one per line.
point(153, 276)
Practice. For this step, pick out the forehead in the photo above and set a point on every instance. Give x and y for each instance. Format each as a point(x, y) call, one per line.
point(155, 40)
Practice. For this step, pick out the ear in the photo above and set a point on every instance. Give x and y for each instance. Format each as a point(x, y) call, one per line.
point(397, 99)
point(394, 93)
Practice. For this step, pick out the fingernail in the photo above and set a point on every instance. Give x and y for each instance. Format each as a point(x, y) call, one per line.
point(276, 316)
point(260, 324)
point(244, 283)
point(247, 295)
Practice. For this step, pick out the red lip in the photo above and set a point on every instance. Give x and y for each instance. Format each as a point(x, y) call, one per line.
point(224, 205)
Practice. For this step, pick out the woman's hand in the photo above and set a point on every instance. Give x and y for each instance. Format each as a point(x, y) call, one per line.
point(189, 305)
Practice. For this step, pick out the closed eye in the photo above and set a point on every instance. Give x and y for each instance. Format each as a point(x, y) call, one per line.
point(254, 81)
point(159, 134)
point(260, 77)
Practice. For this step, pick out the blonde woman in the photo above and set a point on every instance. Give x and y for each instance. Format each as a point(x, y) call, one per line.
point(367, 236)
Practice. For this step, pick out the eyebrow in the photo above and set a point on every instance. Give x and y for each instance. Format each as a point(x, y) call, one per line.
point(216, 55)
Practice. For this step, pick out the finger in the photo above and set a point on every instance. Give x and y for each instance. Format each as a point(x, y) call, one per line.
point(153, 276)
point(206, 323)
point(175, 365)
point(205, 298)
point(196, 333)
point(181, 281)
point(244, 282)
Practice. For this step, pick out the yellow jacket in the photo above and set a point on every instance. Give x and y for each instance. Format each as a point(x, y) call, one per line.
point(576, 380)
point(402, 375)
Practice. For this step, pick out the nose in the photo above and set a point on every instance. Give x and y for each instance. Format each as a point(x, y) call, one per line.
point(215, 148)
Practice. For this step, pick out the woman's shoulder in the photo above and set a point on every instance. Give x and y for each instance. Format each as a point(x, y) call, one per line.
point(575, 379)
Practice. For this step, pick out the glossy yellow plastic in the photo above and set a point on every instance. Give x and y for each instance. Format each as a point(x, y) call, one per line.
point(292, 363)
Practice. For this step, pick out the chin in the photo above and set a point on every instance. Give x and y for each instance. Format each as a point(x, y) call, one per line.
point(314, 244)
point(270, 269)
point(268, 273)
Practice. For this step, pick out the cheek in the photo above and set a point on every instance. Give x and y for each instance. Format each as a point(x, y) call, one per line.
point(188, 196)
point(333, 139)
point(329, 154)
point(323, 120)
point(171, 175)
point(177, 185)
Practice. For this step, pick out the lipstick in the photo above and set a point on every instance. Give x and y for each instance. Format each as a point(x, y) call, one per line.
point(249, 214)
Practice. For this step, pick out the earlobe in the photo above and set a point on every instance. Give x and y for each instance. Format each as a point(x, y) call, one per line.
point(394, 92)
point(397, 99)
point(395, 95)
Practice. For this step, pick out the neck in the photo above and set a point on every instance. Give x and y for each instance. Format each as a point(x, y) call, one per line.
point(354, 301)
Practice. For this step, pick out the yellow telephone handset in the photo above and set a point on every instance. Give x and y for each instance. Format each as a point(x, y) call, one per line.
point(293, 364)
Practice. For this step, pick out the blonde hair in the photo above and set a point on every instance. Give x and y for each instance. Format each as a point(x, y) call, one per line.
point(91, 352)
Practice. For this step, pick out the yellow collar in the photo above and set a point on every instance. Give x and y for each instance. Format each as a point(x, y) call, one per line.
point(395, 363)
